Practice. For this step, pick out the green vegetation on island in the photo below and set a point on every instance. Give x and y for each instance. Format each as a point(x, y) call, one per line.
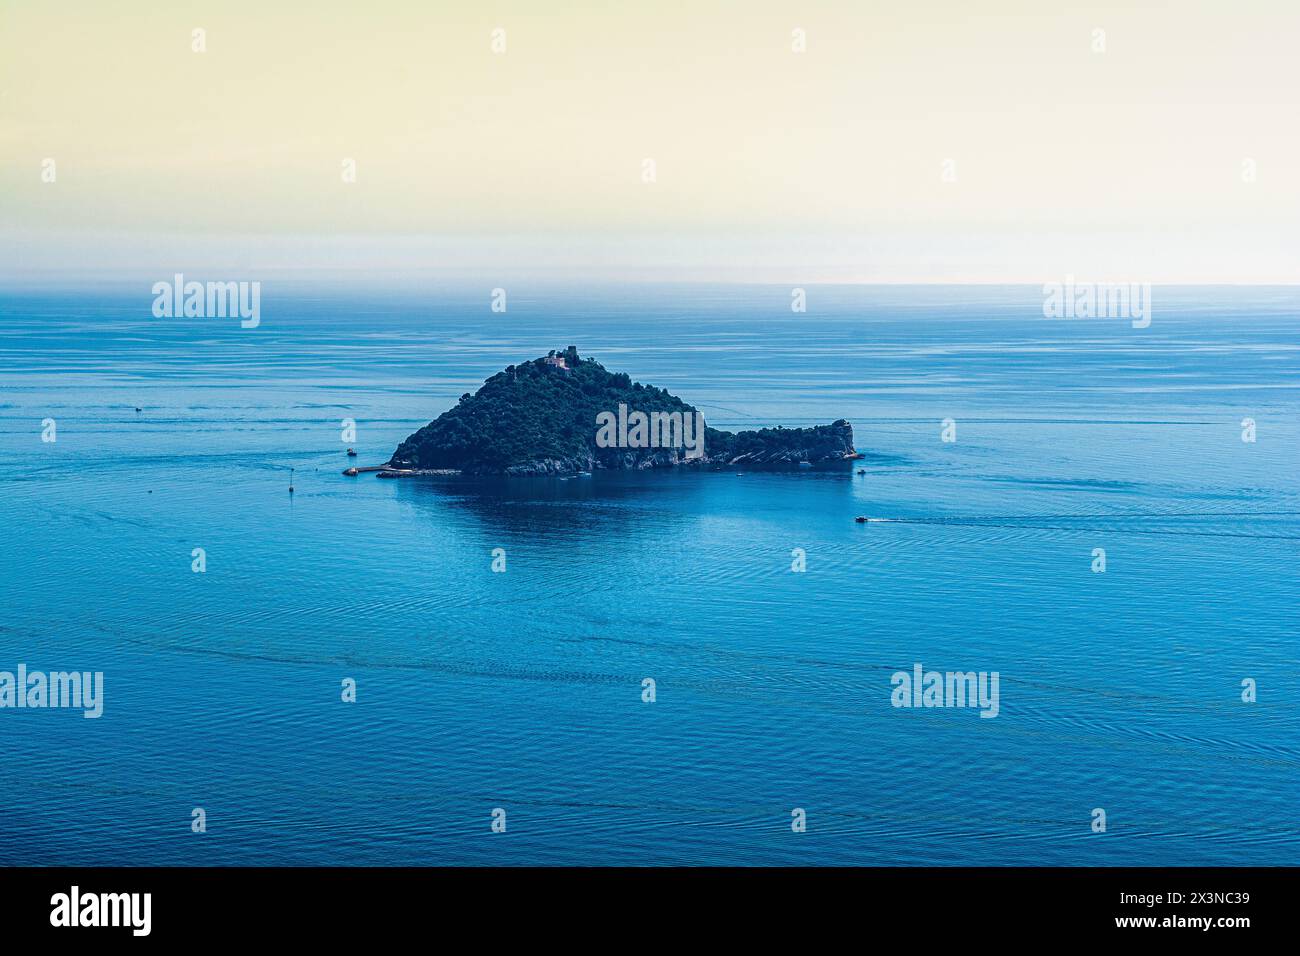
point(562, 414)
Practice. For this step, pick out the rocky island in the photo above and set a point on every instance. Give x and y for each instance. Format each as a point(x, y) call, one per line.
point(563, 414)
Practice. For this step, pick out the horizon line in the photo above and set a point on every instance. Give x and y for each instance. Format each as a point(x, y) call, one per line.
point(332, 277)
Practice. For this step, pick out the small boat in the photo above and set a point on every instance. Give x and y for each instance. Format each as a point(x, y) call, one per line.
point(584, 474)
point(805, 464)
point(139, 409)
point(351, 472)
point(352, 453)
point(862, 471)
point(861, 519)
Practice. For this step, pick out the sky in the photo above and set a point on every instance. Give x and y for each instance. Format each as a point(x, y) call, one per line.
point(928, 141)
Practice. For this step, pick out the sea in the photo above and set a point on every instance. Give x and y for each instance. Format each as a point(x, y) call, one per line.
point(665, 668)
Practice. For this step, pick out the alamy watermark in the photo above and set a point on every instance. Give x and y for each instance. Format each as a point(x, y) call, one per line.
point(1098, 300)
point(922, 688)
point(211, 300)
point(76, 908)
point(636, 429)
point(37, 690)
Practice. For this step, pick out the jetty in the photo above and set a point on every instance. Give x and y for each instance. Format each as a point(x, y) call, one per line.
point(354, 470)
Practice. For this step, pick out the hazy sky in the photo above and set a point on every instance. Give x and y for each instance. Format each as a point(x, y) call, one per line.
point(770, 164)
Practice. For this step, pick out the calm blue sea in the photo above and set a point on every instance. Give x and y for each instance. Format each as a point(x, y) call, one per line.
point(523, 690)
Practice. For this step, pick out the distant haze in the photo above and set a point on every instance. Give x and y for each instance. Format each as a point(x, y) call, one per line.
point(917, 142)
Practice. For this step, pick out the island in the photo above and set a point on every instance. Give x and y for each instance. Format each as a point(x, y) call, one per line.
point(562, 414)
